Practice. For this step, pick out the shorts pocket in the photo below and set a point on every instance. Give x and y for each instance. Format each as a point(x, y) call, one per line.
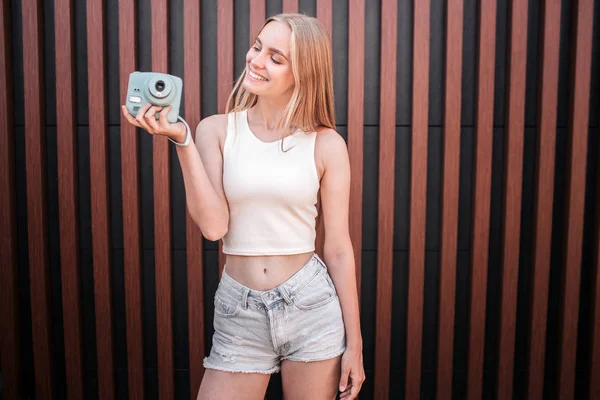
point(316, 293)
point(225, 306)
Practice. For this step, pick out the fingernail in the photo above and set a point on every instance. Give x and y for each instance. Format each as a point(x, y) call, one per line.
point(342, 388)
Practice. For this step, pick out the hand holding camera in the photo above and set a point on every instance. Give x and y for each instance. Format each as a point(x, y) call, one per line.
point(152, 104)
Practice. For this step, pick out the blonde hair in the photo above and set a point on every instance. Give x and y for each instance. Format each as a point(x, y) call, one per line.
point(312, 104)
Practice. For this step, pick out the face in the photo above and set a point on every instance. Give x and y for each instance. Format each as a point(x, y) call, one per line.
point(268, 62)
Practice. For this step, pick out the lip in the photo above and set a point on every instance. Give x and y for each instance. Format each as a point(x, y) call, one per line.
point(254, 79)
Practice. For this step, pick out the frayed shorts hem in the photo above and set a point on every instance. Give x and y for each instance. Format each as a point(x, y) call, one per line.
point(339, 353)
point(270, 371)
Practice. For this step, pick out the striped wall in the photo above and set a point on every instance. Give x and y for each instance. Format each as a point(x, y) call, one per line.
point(473, 133)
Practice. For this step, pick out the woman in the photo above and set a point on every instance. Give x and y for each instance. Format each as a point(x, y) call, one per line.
point(252, 180)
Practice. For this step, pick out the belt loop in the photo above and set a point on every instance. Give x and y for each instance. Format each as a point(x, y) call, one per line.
point(245, 298)
point(285, 295)
point(319, 259)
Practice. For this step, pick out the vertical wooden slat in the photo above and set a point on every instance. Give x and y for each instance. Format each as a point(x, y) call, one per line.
point(418, 196)
point(544, 195)
point(132, 254)
point(356, 78)
point(325, 14)
point(450, 195)
point(257, 18)
point(290, 6)
point(225, 70)
point(10, 359)
point(67, 193)
point(387, 155)
point(101, 250)
point(195, 266)
point(35, 151)
point(575, 197)
point(162, 217)
point(484, 119)
point(595, 298)
point(513, 173)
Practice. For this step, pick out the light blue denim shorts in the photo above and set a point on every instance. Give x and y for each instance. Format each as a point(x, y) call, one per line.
point(299, 320)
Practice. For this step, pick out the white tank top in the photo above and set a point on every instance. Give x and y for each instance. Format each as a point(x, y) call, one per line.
point(272, 194)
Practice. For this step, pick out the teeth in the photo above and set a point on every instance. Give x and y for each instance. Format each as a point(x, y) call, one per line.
point(260, 78)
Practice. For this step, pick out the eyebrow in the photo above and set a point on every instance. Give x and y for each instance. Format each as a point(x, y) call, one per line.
point(273, 49)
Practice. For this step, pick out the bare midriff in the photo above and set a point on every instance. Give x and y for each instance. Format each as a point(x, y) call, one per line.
point(265, 272)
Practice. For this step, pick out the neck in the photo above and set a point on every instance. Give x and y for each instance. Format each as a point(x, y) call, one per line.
point(267, 111)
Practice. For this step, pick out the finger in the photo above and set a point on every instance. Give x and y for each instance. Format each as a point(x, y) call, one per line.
point(164, 123)
point(353, 392)
point(129, 117)
point(151, 119)
point(141, 120)
point(344, 379)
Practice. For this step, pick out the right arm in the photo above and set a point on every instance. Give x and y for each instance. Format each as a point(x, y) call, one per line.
point(201, 163)
point(202, 167)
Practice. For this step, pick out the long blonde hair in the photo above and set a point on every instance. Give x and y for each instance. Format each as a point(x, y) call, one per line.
point(311, 105)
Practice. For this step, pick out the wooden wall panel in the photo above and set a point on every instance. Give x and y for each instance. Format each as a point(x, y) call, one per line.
point(544, 194)
point(99, 197)
point(195, 264)
point(594, 373)
point(162, 218)
point(325, 14)
point(130, 178)
point(513, 182)
point(449, 228)
point(225, 71)
point(67, 187)
point(257, 18)
point(356, 78)
point(577, 141)
point(290, 6)
point(484, 118)
point(37, 224)
point(10, 341)
point(387, 163)
point(418, 193)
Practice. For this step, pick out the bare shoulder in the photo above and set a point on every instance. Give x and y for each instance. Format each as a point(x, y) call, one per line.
point(212, 128)
point(330, 147)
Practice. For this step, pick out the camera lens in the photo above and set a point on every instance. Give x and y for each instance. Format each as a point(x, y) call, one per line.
point(160, 86)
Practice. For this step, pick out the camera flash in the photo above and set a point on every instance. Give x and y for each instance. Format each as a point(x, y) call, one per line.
point(135, 99)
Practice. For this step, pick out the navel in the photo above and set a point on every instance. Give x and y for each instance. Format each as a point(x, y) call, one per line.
point(265, 270)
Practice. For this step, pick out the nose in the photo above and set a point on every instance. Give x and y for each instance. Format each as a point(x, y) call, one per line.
point(257, 61)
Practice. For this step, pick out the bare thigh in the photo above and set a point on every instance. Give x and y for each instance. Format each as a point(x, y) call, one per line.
point(316, 380)
point(221, 385)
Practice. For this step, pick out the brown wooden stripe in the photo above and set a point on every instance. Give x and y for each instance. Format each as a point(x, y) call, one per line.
point(10, 357)
point(356, 78)
point(595, 298)
point(544, 195)
point(257, 18)
point(35, 151)
point(195, 266)
point(132, 255)
point(67, 195)
point(418, 196)
point(162, 217)
point(513, 180)
point(290, 6)
point(325, 14)
point(225, 70)
point(484, 119)
point(387, 155)
point(450, 195)
point(575, 196)
point(99, 197)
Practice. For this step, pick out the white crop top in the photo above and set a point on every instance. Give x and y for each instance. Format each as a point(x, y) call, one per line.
point(272, 195)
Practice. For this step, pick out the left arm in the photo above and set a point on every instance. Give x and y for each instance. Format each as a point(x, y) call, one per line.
point(339, 255)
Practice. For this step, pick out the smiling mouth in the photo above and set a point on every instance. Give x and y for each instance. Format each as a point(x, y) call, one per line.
point(256, 76)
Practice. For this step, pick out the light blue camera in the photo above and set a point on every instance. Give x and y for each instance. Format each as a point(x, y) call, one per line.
point(155, 88)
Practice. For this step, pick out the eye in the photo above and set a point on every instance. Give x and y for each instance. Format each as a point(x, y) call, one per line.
point(275, 61)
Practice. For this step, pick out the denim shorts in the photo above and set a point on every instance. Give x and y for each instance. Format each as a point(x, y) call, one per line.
point(299, 320)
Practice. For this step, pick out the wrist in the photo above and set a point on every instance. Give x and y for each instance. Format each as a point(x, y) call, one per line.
point(181, 135)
